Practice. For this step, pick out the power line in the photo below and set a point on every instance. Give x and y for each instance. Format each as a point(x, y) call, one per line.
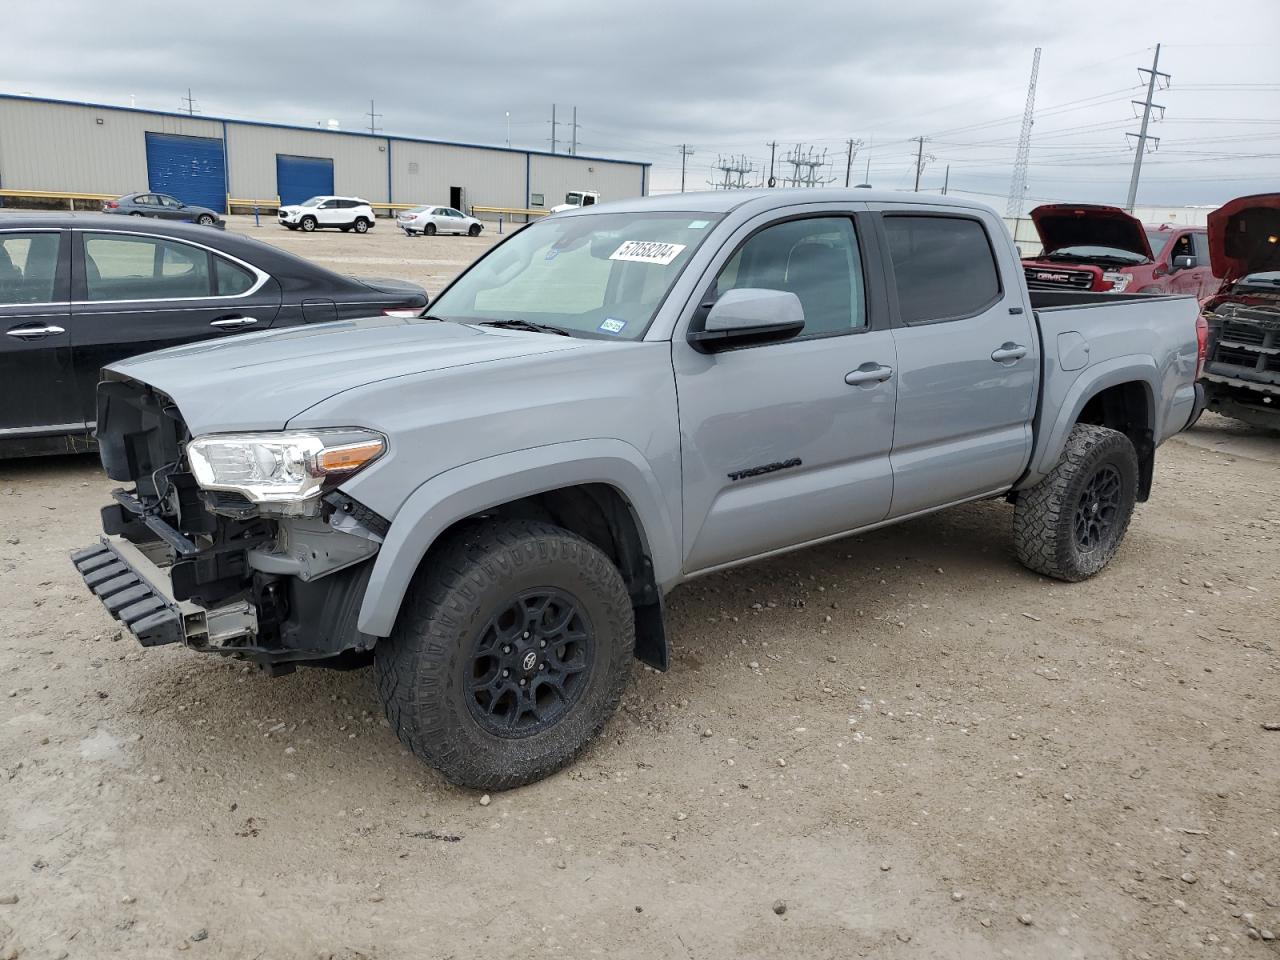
point(1153, 76)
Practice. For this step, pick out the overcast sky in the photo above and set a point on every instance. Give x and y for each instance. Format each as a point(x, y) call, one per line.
point(725, 78)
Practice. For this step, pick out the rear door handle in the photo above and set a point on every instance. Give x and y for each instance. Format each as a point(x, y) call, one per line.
point(35, 333)
point(234, 322)
point(868, 373)
point(1008, 352)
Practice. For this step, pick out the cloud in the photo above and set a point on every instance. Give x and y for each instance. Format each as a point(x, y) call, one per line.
point(722, 77)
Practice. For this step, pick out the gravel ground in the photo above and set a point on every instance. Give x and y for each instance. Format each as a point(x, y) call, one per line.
point(898, 745)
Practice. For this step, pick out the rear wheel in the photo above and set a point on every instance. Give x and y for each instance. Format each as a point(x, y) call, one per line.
point(1070, 524)
point(361, 225)
point(429, 230)
point(135, 213)
point(510, 652)
point(474, 231)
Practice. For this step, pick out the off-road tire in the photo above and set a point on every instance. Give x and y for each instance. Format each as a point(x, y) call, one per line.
point(361, 225)
point(421, 669)
point(308, 224)
point(429, 230)
point(1044, 517)
point(473, 230)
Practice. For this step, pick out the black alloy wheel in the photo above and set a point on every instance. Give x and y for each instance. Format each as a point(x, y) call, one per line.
point(530, 663)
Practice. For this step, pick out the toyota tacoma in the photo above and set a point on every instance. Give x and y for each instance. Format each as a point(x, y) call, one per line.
point(491, 501)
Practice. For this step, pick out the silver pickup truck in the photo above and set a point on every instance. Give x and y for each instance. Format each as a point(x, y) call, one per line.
point(490, 502)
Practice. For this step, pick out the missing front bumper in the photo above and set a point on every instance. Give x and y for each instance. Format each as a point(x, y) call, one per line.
point(137, 592)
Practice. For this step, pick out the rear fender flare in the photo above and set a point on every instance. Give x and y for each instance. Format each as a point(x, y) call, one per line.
point(483, 484)
point(1092, 381)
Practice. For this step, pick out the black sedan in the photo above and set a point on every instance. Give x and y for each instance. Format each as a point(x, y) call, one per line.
point(161, 206)
point(79, 291)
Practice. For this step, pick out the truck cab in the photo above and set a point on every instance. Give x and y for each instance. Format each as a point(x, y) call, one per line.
point(1101, 249)
point(577, 198)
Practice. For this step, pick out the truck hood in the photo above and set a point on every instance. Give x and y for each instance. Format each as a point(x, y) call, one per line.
point(1244, 236)
point(258, 381)
point(1069, 225)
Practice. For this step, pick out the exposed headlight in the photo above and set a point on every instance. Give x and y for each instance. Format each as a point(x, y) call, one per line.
point(1118, 280)
point(284, 467)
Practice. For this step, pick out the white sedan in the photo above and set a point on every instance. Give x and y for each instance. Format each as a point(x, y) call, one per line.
point(429, 220)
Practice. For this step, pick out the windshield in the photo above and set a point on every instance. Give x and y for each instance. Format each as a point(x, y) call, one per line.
point(601, 275)
point(313, 202)
point(1157, 239)
point(1091, 252)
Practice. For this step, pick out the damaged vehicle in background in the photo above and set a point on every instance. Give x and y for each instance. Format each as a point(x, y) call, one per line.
point(1242, 367)
point(1105, 250)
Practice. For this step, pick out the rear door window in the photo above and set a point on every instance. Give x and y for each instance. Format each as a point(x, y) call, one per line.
point(233, 279)
point(119, 267)
point(944, 267)
point(28, 266)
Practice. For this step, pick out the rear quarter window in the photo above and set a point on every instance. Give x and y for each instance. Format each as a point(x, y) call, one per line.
point(944, 267)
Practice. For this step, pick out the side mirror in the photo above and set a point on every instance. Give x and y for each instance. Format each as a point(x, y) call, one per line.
point(1184, 262)
point(749, 316)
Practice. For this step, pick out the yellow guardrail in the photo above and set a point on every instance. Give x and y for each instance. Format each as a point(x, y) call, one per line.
point(272, 204)
point(510, 211)
point(70, 196)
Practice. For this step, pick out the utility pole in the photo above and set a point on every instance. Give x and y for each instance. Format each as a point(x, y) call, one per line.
point(373, 119)
point(1018, 186)
point(685, 154)
point(773, 148)
point(573, 149)
point(553, 128)
point(191, 104)
point(1141, 136)
point(946, 181)
point(848, 167)
point(866, 177)
point(919, 160)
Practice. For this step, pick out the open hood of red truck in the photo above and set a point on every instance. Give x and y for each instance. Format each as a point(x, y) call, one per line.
point(1244, 236)
point(1084, 224)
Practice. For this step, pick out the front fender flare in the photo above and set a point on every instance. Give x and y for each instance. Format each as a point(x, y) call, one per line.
point(483, 484)
point(1091, 381)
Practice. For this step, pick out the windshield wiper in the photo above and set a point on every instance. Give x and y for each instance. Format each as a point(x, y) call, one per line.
point(525, 325)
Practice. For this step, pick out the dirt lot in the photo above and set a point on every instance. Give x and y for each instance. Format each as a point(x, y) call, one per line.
point(901, 745)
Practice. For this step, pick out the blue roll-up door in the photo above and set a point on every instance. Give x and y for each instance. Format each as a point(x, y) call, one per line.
point(193, 169)
point(300, 178)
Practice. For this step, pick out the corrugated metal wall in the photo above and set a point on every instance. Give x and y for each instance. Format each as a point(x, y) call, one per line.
point(55, 146)
point(553, 177)
point(50, 145)
point(359, 167)
point(424, 172)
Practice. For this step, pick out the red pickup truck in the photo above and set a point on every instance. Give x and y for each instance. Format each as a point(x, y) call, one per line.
point(1105, 250)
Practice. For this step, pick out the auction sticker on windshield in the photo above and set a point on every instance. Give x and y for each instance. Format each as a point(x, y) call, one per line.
point(648, 251)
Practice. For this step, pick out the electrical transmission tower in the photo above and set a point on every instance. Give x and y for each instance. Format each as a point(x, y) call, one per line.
point(734, 171)
point(1153, 80)
point(685, 153)
point(806, 167)
point(1018, 186)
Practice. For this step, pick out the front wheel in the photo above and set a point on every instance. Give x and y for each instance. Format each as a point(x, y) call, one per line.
point(474, 231)
point(205, 220)
point(1070, 524)
point(511, 650)
point(308, 224)
point(361, 225)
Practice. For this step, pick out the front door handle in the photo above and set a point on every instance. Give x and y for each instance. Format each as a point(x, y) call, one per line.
point(868, 373)
point(234, 322)
point(35, 333)
point(1008, 352)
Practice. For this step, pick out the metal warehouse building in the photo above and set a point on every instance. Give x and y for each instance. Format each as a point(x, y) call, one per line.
point(63, 147)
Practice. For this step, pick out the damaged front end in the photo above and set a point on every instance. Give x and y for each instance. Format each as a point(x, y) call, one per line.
point(236, 545)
